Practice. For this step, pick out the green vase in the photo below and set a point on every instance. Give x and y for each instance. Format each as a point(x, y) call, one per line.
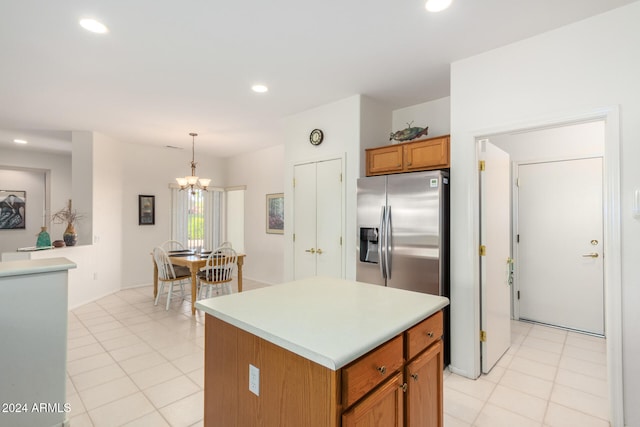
point(44, 240)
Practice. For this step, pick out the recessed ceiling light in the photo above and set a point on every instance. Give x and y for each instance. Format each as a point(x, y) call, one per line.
point(19, 141)
point(259, 88)
point(93, 26)
point(437, 5)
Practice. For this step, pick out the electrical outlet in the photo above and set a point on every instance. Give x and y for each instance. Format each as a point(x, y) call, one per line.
point(254, 380)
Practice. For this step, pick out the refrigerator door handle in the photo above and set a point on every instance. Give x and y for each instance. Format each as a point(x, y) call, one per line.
point(387, 243)
point(382, 242)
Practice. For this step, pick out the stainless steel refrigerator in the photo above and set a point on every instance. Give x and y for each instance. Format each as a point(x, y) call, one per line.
point(403, 233)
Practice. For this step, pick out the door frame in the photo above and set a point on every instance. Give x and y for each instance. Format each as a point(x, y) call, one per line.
point(327, 158)
point(515, 302)
point(612, 237)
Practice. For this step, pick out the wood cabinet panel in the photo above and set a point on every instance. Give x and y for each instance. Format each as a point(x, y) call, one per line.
point(382, 408)
point(364, 374)
point(424, 397)
point(385, 160)
point(426, 154)
point(294, 391)
point(423, 335)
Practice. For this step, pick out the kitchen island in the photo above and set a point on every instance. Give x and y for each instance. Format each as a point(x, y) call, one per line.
point(323, 352)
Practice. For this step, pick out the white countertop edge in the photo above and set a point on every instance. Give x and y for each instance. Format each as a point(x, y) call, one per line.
point(320, 359)
point(34, 266)
point(328, 362)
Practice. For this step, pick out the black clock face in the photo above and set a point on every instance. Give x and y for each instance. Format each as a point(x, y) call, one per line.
point(316, 137)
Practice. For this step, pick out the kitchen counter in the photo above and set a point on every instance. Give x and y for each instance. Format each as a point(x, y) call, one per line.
point(328, 321)
point(33, 327)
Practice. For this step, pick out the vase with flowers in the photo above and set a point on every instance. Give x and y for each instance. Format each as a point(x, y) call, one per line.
point(70, 217)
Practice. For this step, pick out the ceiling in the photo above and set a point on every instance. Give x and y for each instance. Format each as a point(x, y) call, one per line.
point(167, 68)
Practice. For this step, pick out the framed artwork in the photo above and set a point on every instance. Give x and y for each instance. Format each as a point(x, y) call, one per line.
point(146, 210)
point(275, 213)
point(13, 209)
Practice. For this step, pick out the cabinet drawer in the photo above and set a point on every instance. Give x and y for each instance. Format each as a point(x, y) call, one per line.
point(424, 334)
point(367, 372)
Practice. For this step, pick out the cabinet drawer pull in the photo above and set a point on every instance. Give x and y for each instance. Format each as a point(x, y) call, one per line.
point(430, 334)
point(403, 387)
point(382, 370)
point(415, 377)
point(408, 163)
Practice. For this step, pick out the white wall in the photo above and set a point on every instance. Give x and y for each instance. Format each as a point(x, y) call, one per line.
point(434, 114)
point(262, 172)
point(59, 168)
point(149, 170)
point(564, 142)
point(575, 69)
point(32, 182)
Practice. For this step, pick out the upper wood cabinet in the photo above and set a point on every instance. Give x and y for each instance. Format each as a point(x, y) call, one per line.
point(426, 154)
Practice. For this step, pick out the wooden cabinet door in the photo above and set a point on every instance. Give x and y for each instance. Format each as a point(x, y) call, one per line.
point(429, 154)
point(384, 160)
point(424, 388)
point(382, 408)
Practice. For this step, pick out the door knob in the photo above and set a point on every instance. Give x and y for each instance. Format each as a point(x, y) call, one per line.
point(313, 251)
point(319, 251)
point(591, 255)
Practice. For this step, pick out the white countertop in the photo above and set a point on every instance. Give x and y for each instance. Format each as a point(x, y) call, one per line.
point(329, 321)
point(33, 266)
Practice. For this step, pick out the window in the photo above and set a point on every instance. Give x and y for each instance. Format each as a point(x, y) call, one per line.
point(196, 218)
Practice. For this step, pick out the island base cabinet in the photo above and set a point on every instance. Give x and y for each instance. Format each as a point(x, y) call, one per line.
point(424, 397)
point(293, 391)
point(383, 408)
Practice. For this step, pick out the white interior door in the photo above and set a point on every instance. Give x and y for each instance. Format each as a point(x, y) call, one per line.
point(560, 266)
point(304, 221)
point(329, 218)
point(495, 236)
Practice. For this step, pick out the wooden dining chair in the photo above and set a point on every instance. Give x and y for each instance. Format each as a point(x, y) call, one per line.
point(170, 246)
point(168, 276)
point(217, 272)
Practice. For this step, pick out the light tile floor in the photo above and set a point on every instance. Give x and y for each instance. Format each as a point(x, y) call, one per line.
point(131, 363)
point(548, 378)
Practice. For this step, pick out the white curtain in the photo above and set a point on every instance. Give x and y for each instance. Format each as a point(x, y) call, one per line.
point(186, 210)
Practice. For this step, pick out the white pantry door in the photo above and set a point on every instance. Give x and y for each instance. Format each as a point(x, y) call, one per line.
point(495, 236)
point(560, 231)
point(318, 213)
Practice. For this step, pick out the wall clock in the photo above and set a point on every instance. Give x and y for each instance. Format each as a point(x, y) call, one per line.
point(316, 137)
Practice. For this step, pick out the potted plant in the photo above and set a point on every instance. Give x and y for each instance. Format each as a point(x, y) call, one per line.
point(69, 216)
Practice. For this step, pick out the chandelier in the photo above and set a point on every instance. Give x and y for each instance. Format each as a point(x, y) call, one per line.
point(193, 182)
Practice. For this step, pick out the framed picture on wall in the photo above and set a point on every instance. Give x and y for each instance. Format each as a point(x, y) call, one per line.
point(146, 210)
point(275, 213)
point(13, 206)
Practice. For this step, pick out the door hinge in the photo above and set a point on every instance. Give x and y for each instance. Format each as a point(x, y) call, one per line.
point(481, 165)
point(294, 237)
point(341, 177)
point(294, 183)
point(483, 336)
point(518, 182)
point(340, 240)
point(483, 250)
point(517, 238)
point(518, 294)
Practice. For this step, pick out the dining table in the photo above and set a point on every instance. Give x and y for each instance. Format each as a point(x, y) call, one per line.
point(194, 261)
